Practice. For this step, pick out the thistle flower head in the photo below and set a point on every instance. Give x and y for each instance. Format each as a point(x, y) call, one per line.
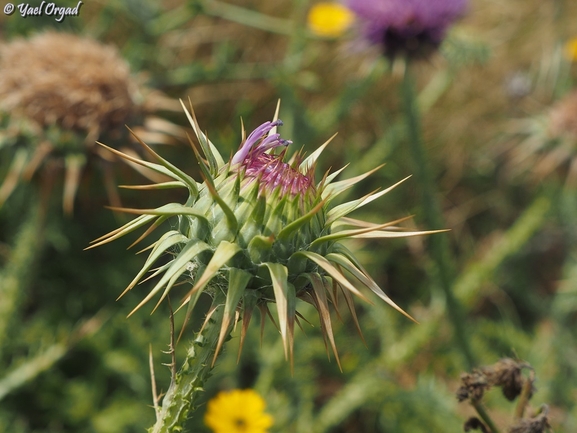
point(260, 230)
point(58, 94)
point(408, 27)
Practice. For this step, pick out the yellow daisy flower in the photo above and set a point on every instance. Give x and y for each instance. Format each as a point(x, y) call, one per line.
point(329, 19)
point(571, 50)
point(237, 411)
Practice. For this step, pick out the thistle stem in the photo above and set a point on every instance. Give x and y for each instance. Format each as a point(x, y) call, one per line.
point(439, 244)
point(525, 396)
point(485, 416)
point(182, 395)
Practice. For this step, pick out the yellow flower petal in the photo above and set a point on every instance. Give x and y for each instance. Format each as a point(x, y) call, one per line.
point(571, 50)
point(329, 19)
point(237, 411)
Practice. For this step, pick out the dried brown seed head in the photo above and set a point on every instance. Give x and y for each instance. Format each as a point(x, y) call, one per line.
point(61, 79)
point(537, 424)
point(473, 386)
point(506, 373)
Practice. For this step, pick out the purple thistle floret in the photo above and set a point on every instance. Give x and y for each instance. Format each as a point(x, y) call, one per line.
point(410, 27)
point(268, 168)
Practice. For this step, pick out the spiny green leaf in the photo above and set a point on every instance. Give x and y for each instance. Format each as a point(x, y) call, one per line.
point(161, 185)
point(228, 212)
point(334, 189)
point(332, 271)
point(309, 161)
point(223, 253)
point(279, 277)
point(259, 248)
point(237, 281)
point(160, 247)
point(298, 223)
point(343, 234)
point(171, 209)
point(333, 175)
point(122, 231)
point(362, 276)
point(322, 305)
point(346, 208)
point(176, 269)
point(180, 175)
point(212, 153)
point(249, 301)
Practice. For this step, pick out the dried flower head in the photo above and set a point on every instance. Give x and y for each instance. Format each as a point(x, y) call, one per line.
point(237, 411)
point(329, 20)
point(58, 94)
point(538, 424)
point(60, 79)
point(259, 229)
point(473, 386)
point(505, 374)
point(411, 28)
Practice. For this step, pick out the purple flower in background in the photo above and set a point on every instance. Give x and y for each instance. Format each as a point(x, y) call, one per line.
point(410, 27)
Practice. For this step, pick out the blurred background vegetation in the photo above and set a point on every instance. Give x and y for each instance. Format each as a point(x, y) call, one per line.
point(70, 360)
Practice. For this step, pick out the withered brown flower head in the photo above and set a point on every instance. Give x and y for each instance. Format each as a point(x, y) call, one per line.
point(59, 93)
point(473, 386)
point(537, 424)
point(61, 79)
point(505, 373)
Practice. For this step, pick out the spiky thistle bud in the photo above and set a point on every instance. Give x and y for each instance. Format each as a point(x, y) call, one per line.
point(260, 230)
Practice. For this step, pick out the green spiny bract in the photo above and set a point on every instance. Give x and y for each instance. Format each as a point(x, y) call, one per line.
point(260, 230)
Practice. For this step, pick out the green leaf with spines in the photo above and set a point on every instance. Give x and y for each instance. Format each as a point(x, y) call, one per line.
point(362, 276)
point(259, 248)
point(136, 223)
point(332, 271)
point(346, 208)
point(237, 282)
point(297, 223)
point(213, 152)
point(159, 248)
point(285, 299)
point(177, 268)
point(332, 190)
point(322, 305)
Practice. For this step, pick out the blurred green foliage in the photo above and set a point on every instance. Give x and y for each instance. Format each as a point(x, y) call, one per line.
point(70, 361)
